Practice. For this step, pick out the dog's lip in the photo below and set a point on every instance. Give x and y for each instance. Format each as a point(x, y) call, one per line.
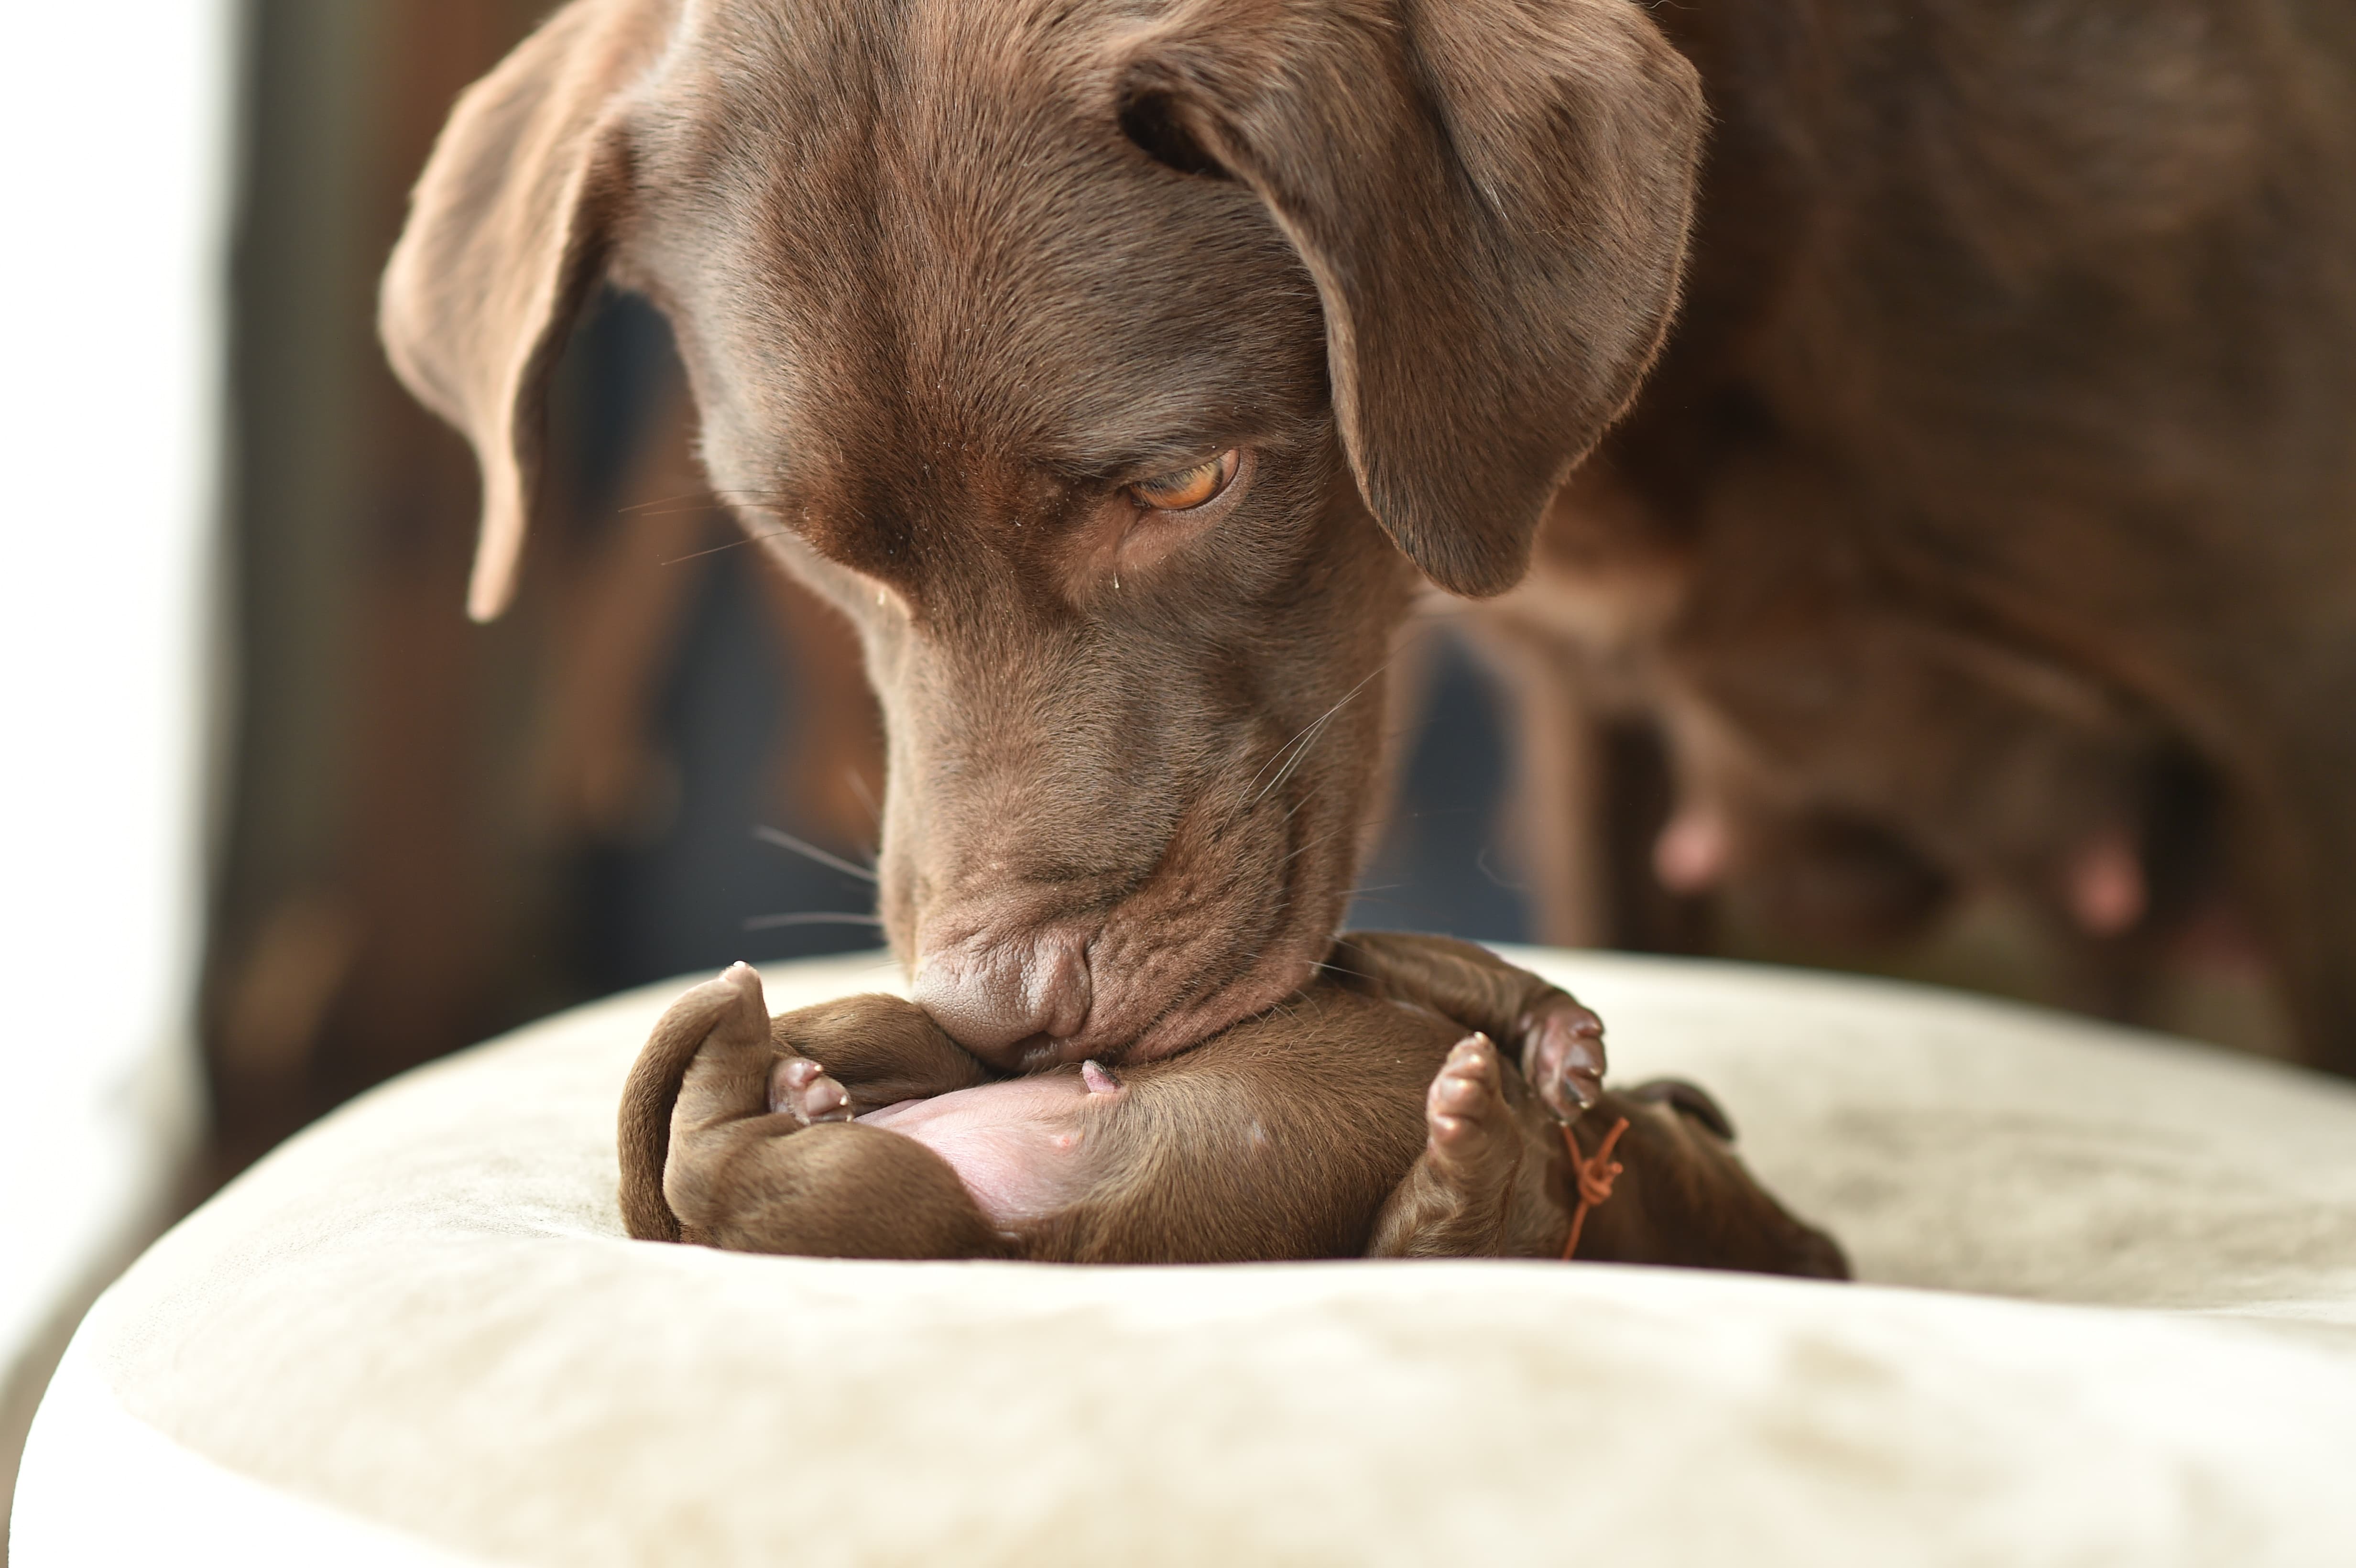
point(1038, 1052)
point(1174, 1029)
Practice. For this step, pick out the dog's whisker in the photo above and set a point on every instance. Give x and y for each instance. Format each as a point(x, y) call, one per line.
point(1313, 843)
point(1296, 807)
point(747, 497)
point(650, 515)
point(1281, 754)
point(866, 798)
point(813, 917)
point(1373, 824)
point(1370, 825)
point(699, 500)
point(732, 544)
point(1306, 742)
point(1338, 969)
point(804, 847)
point(1480, 864)
point(1308, 732)
point(1299, 748)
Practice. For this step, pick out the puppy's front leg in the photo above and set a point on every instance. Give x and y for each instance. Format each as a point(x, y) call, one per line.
point(879, 1048)
point(1456, 1200)
point(1558, 1043)
point(725, 1015)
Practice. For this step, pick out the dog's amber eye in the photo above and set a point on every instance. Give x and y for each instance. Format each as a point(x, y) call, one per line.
point(1188, 487)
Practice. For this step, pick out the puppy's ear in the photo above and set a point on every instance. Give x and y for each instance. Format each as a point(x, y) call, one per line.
point(507, 234)
point(1492, 197)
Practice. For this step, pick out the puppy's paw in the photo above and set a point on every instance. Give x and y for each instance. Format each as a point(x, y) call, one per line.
point(726, 1010)
point(1455, 1197)
point(1474, 1138)
point(800, 1088)
point(1562, 1054)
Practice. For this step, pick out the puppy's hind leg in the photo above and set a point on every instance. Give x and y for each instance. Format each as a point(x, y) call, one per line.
point(1556, 1042)
point(725, 1014)
point(836, 1190)
point(1685, 1200)
point(728, 1140)
point(1455, 1201)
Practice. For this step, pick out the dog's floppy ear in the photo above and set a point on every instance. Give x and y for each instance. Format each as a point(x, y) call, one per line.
point(507, 234)
point(1492, 197)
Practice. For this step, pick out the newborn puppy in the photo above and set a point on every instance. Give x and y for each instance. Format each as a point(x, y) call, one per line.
point(1359, 1118)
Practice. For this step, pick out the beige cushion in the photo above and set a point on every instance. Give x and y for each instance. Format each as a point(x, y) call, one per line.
point(416, 1334)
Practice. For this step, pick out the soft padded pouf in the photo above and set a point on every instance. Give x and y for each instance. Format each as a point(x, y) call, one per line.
point(416, 1334)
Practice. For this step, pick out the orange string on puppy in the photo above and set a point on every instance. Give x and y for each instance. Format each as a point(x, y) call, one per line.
point(1594, 1174)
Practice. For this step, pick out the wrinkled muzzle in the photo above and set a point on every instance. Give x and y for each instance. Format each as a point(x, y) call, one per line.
point(1104, 867)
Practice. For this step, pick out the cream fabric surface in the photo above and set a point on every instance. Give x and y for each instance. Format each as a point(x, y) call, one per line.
point(416, 1334)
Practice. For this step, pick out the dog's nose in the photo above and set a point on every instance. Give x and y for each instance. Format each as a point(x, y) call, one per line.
point(1008, 1001)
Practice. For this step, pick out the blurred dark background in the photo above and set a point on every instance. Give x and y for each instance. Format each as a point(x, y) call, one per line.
point(435, 830)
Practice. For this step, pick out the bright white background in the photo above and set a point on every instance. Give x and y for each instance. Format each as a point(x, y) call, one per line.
point(113, 259)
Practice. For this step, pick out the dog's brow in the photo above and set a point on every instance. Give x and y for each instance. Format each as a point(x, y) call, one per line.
point(1178, 443)
point(1113, 466)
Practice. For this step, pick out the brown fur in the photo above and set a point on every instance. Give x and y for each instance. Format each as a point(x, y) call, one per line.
point(1993, 508)
point(1355, 1120)
point(1990, 511)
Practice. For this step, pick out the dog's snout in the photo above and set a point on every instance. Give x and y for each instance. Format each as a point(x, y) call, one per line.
point(1009, 1000)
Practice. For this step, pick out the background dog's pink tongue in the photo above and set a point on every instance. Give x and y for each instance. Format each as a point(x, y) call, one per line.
point(2106, 885)
point(1693, 850)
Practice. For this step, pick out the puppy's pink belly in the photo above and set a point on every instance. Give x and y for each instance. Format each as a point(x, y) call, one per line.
point(1019, 1147)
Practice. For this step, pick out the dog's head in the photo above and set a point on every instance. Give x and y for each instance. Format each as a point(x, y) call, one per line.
point(1093, 358)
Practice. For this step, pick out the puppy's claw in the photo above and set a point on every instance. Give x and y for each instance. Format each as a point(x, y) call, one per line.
point(1563, 1056)
point(800, 1088)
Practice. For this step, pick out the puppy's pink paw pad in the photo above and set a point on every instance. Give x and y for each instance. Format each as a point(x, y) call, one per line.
point(800, 1088)
point(1465, 1111)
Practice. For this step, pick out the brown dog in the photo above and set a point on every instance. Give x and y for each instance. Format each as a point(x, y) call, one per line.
point(1114, 368)
point(1358, 1119)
